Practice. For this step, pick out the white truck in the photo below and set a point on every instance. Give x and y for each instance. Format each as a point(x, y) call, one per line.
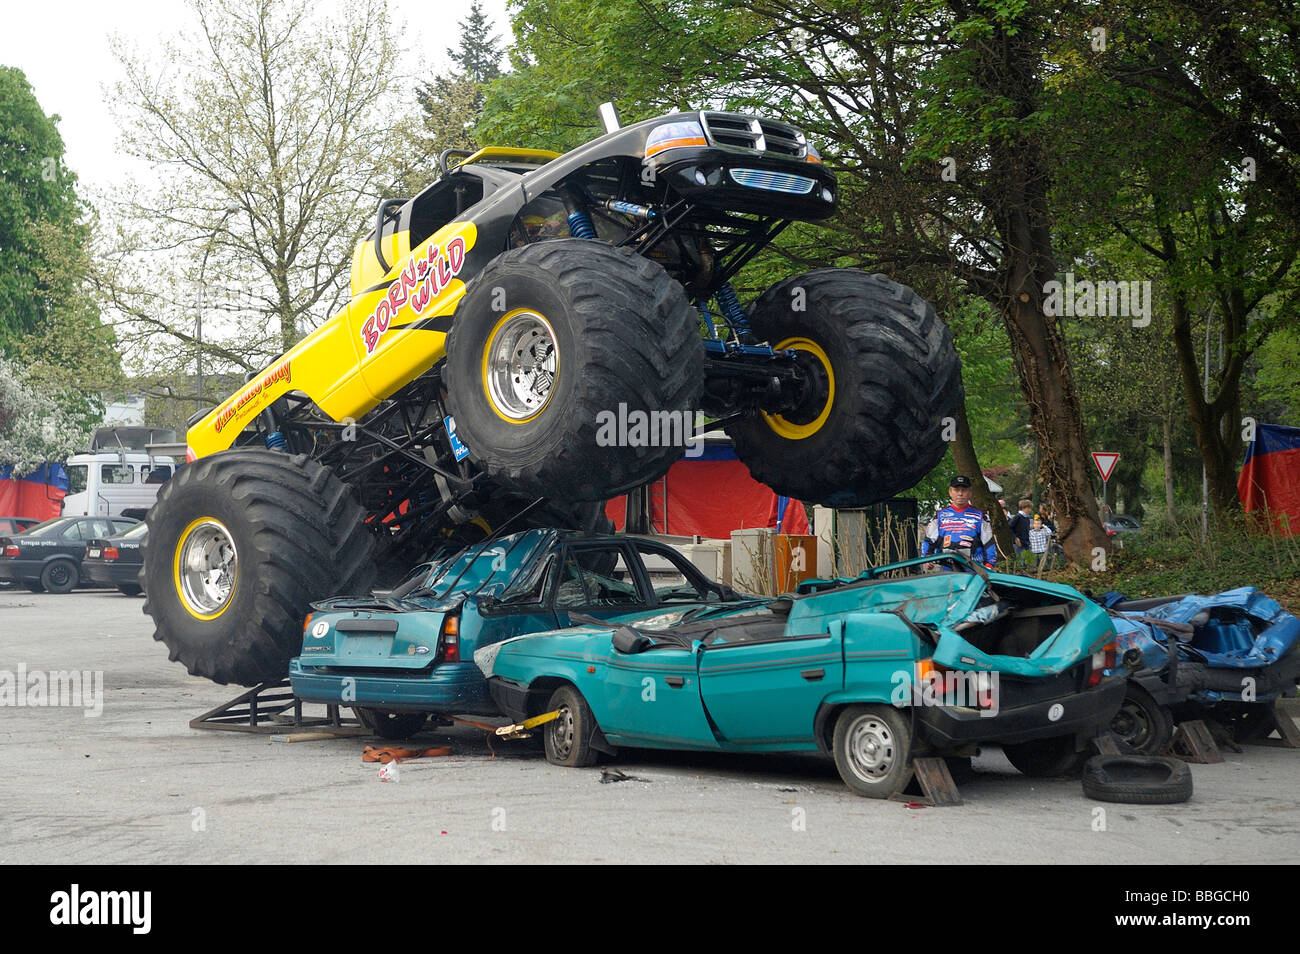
point(121, 474)
point(106, 484)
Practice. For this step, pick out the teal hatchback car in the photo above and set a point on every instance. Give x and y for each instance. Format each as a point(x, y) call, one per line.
point(872, 671)
point(398, 659)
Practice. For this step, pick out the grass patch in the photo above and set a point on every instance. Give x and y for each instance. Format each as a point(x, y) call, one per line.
point(1164, 561)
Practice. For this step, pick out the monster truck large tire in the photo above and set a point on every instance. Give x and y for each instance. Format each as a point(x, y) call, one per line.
point(239, 543)
point(884, 376)
point(548, 342)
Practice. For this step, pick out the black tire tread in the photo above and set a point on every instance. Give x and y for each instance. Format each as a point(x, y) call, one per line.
point(310, 540)
point(644, 347)
point(905, 378)
point(1099, 785)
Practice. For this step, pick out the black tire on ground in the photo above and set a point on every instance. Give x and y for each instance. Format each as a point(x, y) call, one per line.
point(1137, 779)
point(873, 749)
point(35, 587)
point(393, 726)
point(574, 336)
point(239, 544)
point(60, 576)
point(1046, 758)
point(567, 740)
point(1142, 722)
point(129, 589)
point(872, 424)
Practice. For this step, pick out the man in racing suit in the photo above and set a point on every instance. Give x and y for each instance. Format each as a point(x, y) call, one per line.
point(961, 528)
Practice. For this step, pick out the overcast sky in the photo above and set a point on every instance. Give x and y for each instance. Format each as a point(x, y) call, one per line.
point(63, 47)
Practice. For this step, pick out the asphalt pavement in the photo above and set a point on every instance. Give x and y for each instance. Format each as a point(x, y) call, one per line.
point(133, 783)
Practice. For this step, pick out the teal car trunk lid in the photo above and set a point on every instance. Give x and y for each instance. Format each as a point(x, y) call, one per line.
point(356, 640)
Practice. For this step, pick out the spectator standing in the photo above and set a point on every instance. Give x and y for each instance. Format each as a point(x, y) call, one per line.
point(1020, 525)
point(1040, 540)
point(961, 528)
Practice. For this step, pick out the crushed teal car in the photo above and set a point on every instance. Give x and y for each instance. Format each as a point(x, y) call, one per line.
point(872, 671)
point(398, 659)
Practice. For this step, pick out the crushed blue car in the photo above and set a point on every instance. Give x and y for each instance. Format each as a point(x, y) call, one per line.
point(1227, 657)
point(398, 659)
point(871, 671)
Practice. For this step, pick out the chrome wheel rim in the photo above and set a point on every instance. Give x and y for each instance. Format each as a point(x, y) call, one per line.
point(872, 748)
point(522, 362)
point(208, 565)
point(562, 734)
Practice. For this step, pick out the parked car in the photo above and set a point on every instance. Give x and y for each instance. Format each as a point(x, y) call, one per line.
point(116, 561)
point(399, 658)
point(48, 556)
point(871, 671)
point(13, 525)
point(1228, 657)
point(1121, 523)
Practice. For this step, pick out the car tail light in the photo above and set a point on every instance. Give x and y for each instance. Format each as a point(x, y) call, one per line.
point(450, 639)
point(307, 622)
point(1103, 659)
point(12, 550)
point(110, 553)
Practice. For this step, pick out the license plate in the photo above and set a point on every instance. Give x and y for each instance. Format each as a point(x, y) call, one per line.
point(92, 554)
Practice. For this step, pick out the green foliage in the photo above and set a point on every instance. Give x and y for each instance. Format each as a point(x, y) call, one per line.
point(37, 203)
point(40, 423)
point(1164, 560)
point(272, 127)
point(451, 103)
point(60, 354)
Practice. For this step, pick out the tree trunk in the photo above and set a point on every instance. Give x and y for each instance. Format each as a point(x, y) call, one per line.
point(1019, 167)
point(1168, 434)
point(1217, 456)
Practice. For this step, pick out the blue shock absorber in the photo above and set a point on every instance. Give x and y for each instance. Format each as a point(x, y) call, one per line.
point(708, 319)
point(580, 225)
point(731, 309)
point(275, 441)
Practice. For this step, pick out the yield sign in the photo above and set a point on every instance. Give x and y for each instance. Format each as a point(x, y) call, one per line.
point(1105, 464)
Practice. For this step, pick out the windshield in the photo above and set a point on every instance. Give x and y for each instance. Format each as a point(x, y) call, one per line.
point(490, 565)
point(135, 533)
point(77, 477)
point(42, 528)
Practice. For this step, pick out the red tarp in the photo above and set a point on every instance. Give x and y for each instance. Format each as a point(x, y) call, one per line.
point(1270, 477)
point(712, 495)
point(37, 494)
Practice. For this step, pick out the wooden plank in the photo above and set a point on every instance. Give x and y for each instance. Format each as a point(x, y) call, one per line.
point(1192, 742)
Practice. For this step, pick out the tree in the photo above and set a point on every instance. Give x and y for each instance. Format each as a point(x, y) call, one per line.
point(284, 116)
point(50, 324)
point(478, 55)
point(35, 191)
point(900, 97)
point(452, 102)
point(1214, 181)
point(35, 425)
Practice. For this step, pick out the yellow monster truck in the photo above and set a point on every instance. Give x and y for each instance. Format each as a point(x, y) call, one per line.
point(517, 333)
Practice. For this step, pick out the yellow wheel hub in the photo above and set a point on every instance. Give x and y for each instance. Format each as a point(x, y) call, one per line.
point(788, 429)
point(205, 568)
point(520, 365)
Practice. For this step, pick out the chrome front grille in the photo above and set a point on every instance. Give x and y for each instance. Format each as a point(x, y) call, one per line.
point(773, 181)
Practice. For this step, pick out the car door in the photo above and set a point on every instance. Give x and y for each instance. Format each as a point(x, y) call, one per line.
point(646, 698)
point(762, 686)
point(652, 698)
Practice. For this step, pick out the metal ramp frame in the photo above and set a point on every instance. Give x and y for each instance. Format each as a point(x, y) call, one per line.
point(272, 707)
